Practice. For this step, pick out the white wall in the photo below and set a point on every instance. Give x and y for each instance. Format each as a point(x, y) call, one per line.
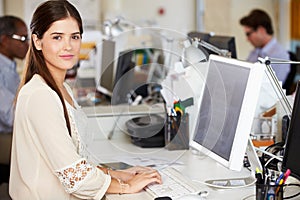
point(89, 10)
point(1, 7)
point(179, 15)
point(219, 16)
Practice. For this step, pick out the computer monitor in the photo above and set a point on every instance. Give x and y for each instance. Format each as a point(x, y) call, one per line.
point(199, 35)
point(124, 78)
point(292, 148)
point(224, 42)
point(219, 41)
point(137, 69)
point(104, 62)
point(227, 109)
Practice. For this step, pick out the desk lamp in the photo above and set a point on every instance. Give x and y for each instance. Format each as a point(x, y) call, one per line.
point(117, 26)
point(218, 51)
point(221, 52)
point(192, 54)
point(275, 82)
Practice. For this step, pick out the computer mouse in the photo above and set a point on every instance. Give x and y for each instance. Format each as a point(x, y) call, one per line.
point(191, 197)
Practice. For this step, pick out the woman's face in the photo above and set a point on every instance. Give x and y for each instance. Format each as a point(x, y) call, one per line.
point(60, 45)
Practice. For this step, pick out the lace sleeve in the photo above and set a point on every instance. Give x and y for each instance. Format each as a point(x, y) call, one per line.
point(74, 175)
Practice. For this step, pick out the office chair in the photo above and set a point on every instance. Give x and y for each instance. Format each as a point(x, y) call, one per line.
point(289, 84)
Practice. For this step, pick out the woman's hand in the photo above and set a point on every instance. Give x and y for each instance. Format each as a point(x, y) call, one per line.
point(127, 174)
point(137, 169)
point(133, 180)
point(141, 179)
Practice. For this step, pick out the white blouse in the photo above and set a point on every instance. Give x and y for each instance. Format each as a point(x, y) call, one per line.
point(46, 163)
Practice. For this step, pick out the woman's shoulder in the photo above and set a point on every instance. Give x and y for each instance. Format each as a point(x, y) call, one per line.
point(36, 87)
point(36, 82)
point(37, 95)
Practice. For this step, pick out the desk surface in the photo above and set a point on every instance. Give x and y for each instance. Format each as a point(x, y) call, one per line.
point(198, 168)
point(123, 109)
point(195, 167)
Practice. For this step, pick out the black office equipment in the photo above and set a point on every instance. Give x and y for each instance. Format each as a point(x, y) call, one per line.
point(291, 153)
point(219, 41)
point(132, 74)
point(147, 131)
point(123, 81)
point(177, 132)
point(200, 35)
point(224, 42)
point(289, 84)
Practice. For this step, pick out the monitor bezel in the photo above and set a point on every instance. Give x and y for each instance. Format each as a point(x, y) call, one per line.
point(248, 107)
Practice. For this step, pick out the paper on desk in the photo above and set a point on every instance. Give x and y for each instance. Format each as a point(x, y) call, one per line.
point(149, 161)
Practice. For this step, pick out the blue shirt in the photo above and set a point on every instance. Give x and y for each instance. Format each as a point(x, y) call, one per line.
point(273, 50)
point(9, 83)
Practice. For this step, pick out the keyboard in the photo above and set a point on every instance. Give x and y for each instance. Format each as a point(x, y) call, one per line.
point(174, 185)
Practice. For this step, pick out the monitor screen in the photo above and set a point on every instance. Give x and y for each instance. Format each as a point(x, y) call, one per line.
point(291, 153)
point(227, 110)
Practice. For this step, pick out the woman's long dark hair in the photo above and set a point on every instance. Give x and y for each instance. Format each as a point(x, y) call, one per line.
point(43, 17)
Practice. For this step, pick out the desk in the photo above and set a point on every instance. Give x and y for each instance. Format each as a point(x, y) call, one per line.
point(123, 109)
point(195, 167)
point(102, 119)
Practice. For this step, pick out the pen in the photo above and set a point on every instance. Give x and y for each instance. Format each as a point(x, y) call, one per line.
point(280, 182)
point(286, 175)
point(279, 185)
point(283, 179)
point(280, 177)
point(173, 113)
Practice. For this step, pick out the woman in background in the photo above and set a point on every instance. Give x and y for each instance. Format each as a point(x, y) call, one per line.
point(47, 159)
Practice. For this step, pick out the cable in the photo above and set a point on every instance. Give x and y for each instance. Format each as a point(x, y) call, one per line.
point(265, 166)
point(249, 196)
point(294, 195)
point(269, 154)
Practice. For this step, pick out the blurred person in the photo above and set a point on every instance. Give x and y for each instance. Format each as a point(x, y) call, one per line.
point(48, 159)
point(259, 32)
point(13, 45)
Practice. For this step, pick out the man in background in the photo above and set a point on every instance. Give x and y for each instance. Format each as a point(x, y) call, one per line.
point(259, 32)
point(13, 45)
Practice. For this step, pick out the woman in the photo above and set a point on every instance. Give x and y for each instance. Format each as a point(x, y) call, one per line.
point(47, 161)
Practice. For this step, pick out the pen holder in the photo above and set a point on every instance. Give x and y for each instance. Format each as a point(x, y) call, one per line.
point(267, 191)
point(177, 132)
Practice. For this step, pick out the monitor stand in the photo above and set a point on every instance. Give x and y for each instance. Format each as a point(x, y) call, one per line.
point(243, 181)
